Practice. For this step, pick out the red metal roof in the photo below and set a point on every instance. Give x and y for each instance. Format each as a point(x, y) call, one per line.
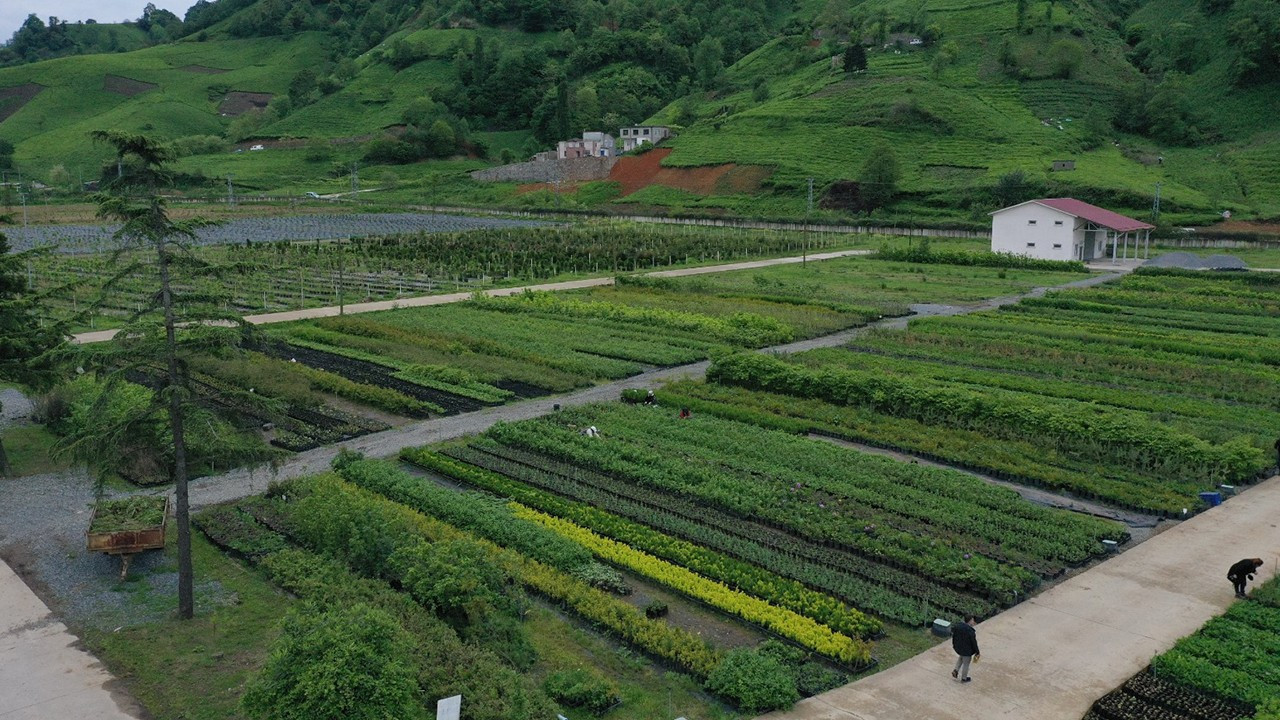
point(1094, 214)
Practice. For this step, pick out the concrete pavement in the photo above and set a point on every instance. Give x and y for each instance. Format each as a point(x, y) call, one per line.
point(43, 672)
point(1052, 656)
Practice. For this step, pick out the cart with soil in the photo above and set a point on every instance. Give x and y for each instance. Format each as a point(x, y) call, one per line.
point(128, 526)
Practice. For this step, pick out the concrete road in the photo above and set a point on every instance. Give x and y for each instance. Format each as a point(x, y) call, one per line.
point(1051, 657)
point(44, 673)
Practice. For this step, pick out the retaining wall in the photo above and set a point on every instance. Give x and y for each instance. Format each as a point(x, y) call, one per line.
point(571, 170)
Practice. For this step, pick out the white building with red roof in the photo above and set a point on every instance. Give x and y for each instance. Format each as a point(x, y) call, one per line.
point(1067, 229)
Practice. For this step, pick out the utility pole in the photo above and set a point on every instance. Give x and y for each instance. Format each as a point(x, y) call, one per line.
point(355, 176)
point(804, 257)
point(231, 192)
point(1155, 207)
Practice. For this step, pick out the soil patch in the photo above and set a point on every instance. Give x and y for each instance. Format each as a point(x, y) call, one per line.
point(127, 87)
point(13, 98)
point(239, 102)
point(202, 70)
point(635, 172)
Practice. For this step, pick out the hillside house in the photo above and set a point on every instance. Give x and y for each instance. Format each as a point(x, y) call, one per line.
point(634, 137)
point(591, 144)
point(1067, 229)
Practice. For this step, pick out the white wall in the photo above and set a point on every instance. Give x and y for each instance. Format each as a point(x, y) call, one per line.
point(1012, 231)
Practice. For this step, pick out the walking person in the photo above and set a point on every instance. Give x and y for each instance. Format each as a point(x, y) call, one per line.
point(964, 640)
point(1242, 572)
point(1277, 454)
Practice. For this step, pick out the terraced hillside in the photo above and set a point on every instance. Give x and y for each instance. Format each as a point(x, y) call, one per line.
point(976, 98)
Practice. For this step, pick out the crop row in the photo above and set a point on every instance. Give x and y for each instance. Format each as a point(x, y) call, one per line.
point(1012, 460)
point(866, 508)
point(700, 558)
point(1154, 373)
point(1109, 435)
point(1202, 417)
point(877, 584)
point(922, 500)
point(493, 688)
point(554, 541)
point(365, 529)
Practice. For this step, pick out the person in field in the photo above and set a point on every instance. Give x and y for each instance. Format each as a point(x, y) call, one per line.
point(1242, 572)
point(964, 640)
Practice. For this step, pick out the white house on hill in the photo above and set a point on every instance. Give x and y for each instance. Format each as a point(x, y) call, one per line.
point(1066, 229)
point(591, 144)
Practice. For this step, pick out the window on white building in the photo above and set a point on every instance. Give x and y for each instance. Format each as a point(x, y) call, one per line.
point(1057, 246)
point(1031, 222)
point(1031, 244)
point(1057, 222)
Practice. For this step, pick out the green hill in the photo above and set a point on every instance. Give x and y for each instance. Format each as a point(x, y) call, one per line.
point(974, 98)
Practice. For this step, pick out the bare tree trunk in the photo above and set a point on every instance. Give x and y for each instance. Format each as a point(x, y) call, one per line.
point(182, 514)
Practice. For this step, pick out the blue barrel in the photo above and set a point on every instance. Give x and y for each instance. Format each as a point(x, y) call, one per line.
point(1212, 499)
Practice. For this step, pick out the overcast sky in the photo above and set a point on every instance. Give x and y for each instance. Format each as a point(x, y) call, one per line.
point(13, 12)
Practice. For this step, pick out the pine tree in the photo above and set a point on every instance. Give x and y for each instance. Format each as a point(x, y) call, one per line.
point(26, 337)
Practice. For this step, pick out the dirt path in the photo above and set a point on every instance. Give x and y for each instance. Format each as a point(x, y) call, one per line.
point(1052, 656)
point(445, 299)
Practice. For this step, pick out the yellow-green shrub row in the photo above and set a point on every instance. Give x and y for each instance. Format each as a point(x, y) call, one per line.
point(803, 630)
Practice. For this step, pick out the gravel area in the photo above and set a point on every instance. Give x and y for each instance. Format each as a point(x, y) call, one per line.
point(14, 407)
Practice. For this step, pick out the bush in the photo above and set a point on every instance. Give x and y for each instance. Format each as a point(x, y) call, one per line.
point(578, 688)
point(603, 577)
point(655, 609)
point(345, 663)
point(199, 145)
point(753, 682)
point(813, 678)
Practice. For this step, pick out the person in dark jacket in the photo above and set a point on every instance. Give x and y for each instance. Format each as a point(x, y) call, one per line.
point(1242, 572)
point(964, 640)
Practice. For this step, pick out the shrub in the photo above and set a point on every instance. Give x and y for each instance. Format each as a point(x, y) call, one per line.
point(599, 575)
point(345, 457)
point(813, 678)
point(579, 688)
point(655, 609)
point(753, 682)
point(345, 663)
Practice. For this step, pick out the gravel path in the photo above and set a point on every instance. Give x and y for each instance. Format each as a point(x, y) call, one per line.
point(14, 407)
